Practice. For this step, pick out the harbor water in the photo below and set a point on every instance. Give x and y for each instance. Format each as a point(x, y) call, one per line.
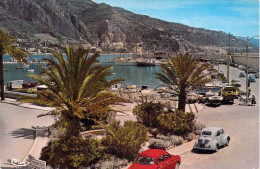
point(143, 75)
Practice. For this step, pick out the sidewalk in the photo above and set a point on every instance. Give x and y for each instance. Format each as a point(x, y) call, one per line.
point(26, 105)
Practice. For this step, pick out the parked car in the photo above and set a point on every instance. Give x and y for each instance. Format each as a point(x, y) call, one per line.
point(236, 82)
point(236, 65)
point(211, 138)
point(250, 70)
point(155, 159)
point(256, 75)
point(242, 67)
point(242, 74)
point(251, 78)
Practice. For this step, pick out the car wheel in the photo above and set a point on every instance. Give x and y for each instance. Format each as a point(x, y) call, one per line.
point(227, 144)
point(217, 147)
point(177, 166)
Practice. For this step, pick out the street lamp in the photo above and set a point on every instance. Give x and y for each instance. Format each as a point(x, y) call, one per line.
point(247, 41)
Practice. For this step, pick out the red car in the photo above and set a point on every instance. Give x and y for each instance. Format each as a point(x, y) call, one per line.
point(155, 159)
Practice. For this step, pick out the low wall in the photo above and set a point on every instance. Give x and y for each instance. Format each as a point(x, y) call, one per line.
point(253, 59)
point(16, 95)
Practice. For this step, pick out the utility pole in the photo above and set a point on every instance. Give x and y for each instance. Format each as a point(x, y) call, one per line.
point(247, 40)
point(228, 58)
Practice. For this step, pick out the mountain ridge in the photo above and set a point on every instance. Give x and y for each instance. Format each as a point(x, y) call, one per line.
point(103, 26)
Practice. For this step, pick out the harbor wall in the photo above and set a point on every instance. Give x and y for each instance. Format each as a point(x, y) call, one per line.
point(253, 59)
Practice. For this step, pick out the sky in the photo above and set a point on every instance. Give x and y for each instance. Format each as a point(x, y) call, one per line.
point(239, 17)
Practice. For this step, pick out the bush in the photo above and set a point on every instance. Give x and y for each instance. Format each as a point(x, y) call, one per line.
point(159, 143)
point(112, 163)
point(176, 140)
point(147, 113)
point(189, 137)
point(198, 127)
point(178, 122)
point(71, 153)
point(125, 141)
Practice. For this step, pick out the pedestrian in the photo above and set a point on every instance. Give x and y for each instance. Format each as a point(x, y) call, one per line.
point(249, 90)
point(253, 102)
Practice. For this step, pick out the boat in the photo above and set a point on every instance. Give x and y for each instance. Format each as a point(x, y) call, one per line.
point(42, 87)
point(30, 70)
point(125, 63)
point(5, 70)
point(131, 88)
point(145, 64)
point(29, 85)
point(215, 100)
point(19, 67)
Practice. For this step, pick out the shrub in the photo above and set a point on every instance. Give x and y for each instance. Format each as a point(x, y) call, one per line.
point(125, 141)
point(176, 140)
point(159, 143)
point(178, 122)
point(71, 153)
point(189, 136)
point(147, 113)
point(113, 162)
point(198, 127)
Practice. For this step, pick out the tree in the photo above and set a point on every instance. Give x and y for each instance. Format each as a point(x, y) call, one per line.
point(76, 87)
point(7, 46)
point(183, 73)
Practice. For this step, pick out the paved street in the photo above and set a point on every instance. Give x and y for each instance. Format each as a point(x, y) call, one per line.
point(17, 131)
point(242, 123)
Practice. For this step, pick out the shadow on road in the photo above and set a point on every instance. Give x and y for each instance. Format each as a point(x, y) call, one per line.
point(27, 133)
point(30, 133)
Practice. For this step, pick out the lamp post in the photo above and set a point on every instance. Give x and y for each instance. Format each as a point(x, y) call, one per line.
point(247, 42)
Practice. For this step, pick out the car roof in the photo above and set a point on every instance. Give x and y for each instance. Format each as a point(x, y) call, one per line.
point(154, 153)
point(211, 129)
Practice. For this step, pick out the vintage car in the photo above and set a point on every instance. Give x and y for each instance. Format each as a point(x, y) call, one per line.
point(236, 82)
point(256, 75)
point(155, 159)
point(251, 78)
point(242, 74)
point(229, 93)
point(211, 138)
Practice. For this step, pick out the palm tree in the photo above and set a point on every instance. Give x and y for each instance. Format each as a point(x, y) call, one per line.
point(76, 87)
point(183, 73)
point(7, 46)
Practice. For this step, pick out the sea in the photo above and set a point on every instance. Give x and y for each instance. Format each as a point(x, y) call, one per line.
point(138, 75)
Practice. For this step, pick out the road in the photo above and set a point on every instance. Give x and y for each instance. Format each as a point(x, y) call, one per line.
point(17, 131)
point(241, 122)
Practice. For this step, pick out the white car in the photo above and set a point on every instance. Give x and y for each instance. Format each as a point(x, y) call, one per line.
point(236, 82)
point(211, 138)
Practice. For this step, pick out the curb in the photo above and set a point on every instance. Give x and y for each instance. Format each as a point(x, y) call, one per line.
point(34, 143)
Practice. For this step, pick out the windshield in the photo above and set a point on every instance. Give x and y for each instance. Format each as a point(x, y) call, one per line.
point(236, 80)
point(229, 89)
point(207, 133)
point(146, 160)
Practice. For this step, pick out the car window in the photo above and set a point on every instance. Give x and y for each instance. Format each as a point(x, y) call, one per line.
point(218, 133)
point(160, 159)
point(207, 133)
point(145, 160)
point(166, 156)
point(221, 131)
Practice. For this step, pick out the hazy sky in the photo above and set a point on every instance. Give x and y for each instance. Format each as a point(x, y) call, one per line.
point(239, 17)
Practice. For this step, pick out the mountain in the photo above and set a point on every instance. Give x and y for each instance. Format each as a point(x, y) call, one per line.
point(101, 25)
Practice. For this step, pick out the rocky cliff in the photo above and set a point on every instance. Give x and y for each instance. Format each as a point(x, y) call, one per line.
point(100, 25)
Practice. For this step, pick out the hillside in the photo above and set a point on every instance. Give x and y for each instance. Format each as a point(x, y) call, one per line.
point(100, 25)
